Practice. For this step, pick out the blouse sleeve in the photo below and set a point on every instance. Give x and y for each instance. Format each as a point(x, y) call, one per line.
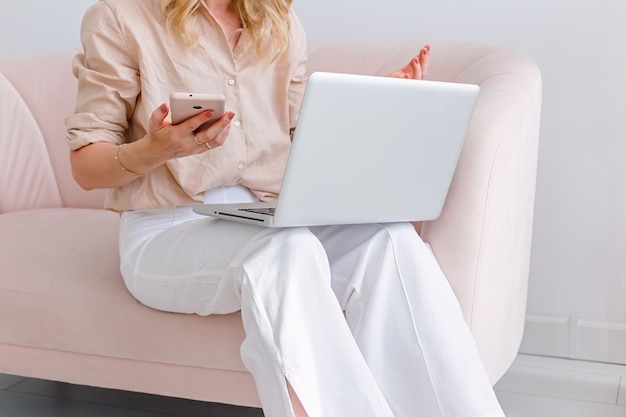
point(108, 81)
point(299, 77)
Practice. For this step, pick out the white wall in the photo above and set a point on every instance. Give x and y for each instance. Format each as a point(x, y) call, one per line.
point(31, 26)
point(577, 299)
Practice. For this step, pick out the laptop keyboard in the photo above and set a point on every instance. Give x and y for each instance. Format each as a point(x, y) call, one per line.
point(260, 210)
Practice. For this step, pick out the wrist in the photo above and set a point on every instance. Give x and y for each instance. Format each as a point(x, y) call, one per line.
point(135, 159)
point(118, 159)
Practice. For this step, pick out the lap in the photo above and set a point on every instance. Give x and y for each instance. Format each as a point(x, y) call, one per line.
point(174, 253)
point(178, 242)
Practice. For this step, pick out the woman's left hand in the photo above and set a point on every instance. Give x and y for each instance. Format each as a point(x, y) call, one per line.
point(417, 68)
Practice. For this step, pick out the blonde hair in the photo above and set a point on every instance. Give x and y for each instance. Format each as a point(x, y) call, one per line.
point(266, 20)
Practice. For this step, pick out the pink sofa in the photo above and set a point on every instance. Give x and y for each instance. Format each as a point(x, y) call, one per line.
point(65, 314)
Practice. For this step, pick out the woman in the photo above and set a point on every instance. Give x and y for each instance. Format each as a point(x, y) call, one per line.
point(340, 320)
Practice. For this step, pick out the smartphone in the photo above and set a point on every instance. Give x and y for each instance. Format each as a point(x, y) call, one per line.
point(186, 105)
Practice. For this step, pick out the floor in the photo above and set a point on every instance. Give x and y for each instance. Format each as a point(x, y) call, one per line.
point(540, 387)
point(533, 387)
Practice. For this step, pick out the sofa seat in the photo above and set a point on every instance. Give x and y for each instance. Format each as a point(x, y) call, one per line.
point(77, 302)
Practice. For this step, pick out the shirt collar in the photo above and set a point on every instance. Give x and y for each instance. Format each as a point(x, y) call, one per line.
point(243, 44)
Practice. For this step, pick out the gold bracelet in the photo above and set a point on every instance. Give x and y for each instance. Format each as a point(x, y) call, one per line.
point(117, 158)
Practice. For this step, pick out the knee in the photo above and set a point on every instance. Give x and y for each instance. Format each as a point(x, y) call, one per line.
point(286, 252)
point(398, 229)
point(391, 235)
point(297, 242)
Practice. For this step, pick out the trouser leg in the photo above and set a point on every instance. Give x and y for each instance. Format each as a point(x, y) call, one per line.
point(292, 315)
point(407, 322)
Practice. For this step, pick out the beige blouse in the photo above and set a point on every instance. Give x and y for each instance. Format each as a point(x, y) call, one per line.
point(129, 67)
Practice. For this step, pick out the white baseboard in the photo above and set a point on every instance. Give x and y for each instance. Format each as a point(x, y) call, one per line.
point(575, 338)
point(546, 336)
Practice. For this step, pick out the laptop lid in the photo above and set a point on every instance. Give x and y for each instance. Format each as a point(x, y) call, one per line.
point(373, 149)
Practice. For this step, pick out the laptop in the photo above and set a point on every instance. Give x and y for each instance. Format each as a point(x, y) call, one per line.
point(366, 149)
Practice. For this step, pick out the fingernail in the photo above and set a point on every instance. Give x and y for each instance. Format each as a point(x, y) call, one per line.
point(209, 114)
point(230, 116)
point(163, 108)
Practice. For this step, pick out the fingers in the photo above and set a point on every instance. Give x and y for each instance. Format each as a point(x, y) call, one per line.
point(419, 64)
point(175, 141)
point(196, 121)
point(417, 68)
point(215, 135)
point(424, 57)
point(157, 118)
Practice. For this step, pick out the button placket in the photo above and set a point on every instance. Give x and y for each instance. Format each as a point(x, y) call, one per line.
point(237, 122)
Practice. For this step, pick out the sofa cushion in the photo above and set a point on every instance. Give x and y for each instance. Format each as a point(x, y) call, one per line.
point(26, 176)
point(46, 90)
point(60, 288)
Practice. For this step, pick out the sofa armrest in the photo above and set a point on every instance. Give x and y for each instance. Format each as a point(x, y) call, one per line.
point(483, 237)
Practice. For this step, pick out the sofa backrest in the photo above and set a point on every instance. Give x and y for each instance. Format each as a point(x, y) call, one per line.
point(38, 91)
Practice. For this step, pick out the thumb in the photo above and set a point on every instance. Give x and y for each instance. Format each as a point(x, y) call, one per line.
point(157, 118)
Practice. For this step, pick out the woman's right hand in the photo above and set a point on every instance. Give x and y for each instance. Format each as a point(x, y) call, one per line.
point(106, 165)
point(165, 141)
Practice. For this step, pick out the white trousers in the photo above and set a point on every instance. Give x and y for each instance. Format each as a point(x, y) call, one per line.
point(359, 319)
